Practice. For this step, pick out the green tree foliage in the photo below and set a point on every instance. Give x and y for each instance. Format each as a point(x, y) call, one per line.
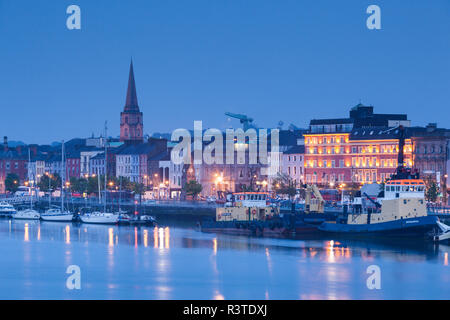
point(12, 181)
point(193, 188)
point(285, 185)
point(137, 188)
point(431, 191)
point(49, 182)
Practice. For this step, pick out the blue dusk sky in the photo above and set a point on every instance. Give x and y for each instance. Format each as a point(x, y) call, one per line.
point(288, 60)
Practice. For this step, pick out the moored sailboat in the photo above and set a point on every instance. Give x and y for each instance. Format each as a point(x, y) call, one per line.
point(59, 214)
point(28, 214)
point(103, 217)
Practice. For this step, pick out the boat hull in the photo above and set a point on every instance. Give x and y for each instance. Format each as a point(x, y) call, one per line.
point(7, 213)
point(27, 215)
point(255, 228)
point(399, 228)
point(57, 217)
point(99, 220)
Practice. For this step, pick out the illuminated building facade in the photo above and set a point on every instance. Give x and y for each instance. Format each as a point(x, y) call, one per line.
point(362, 148)
point(431, 155)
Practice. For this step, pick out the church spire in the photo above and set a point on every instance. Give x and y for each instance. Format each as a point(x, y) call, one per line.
point(131, 103)
point(131, 119)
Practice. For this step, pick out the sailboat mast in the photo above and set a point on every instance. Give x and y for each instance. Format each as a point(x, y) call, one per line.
point(63, 169)
point(29, 174)
point(106, 158)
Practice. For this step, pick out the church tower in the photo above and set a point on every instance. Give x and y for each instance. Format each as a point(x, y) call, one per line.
point(131, 119)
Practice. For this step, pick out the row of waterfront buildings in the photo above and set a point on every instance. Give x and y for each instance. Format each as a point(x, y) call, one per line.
point(361, 148)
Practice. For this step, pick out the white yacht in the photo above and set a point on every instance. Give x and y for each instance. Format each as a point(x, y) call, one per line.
point(103, 217)
point(56, 214)
point(59, 214)
point(6, 209)
point(27, 214)
point(30, 213)
point(100, 218)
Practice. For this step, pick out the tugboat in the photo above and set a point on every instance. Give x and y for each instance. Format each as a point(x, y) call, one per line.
point(247, 213)
point(402, 211)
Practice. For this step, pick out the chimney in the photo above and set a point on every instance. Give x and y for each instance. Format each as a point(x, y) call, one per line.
point(5, 143)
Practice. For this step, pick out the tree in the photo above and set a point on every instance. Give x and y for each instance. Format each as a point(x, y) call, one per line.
point(12, 182)
point(193, 188)
point(79, 185)
point(285, 185)
point(52, 180)
point(432, 190)
point(137, 188)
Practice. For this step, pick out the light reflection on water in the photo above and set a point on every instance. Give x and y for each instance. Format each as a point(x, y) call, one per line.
point(127, 262)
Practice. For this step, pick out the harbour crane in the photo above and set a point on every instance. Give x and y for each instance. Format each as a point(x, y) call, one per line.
point(246, 121)
point(316, 204)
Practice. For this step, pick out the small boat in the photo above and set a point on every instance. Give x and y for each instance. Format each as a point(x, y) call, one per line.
point(59, 214)
point(124, 218)
point(144, 220)
point(6, 209)
point(100, 218)
point(27, 214)
point(56, 214)
point(104, 217)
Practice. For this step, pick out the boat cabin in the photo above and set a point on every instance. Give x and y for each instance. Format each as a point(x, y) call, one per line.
point(251, 199)
point(406, 188)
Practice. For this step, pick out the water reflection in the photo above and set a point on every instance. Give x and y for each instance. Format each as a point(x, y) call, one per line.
point(111, 237)
point(66, 233)
point(330, 251)
point(26, 236)
point(184, 263)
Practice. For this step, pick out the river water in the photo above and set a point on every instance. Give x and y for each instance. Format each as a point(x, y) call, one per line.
point(178, 262)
